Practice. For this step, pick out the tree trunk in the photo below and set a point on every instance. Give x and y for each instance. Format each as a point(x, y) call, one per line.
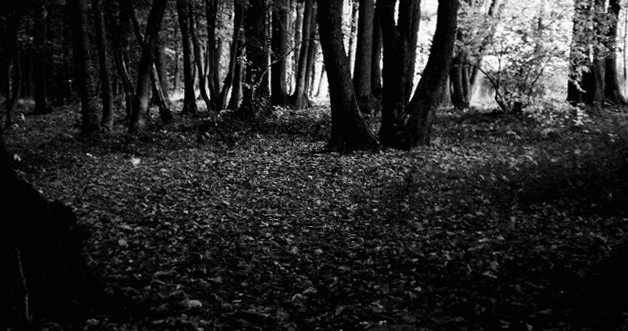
point(90, 121)
point(398, 73)
point(311, 55)
point(299, 100)
point(280, 51)
point(198, 60)
point(417, 122)
point(40, 54)
point(349, 132)
point(189, 98)
point(213, 54)
point(612, 92)
point(120, 39)
point(363, 61)
point(353, 35)
point(256, 92)
point(376, 56)
point(237, 43)
point(494, 10)
point(10, 20)
point(146, 66)
point(322, 92)
point(299, 8)
point(459, 79)
point(103, 62)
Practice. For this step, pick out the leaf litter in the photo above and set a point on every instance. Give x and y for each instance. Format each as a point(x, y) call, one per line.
point(264, 233)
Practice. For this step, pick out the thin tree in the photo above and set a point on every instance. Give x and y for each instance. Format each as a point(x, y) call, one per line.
point(299, 99)
point(189, 98)
point(86, 86)
point(10, 20)
point(376, 55)
point(40, 58)
point(146, 66)
point(400, 38)
point(232, 78)
point(363, 61)
point(280, 49)
point(416, 121)
point(213, 53)
point(103, 63)
point(256, 92)
point(349, 132)
point(612, 92)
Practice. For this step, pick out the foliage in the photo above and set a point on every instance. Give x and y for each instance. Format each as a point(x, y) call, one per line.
point(266, 234)
point(523, 51)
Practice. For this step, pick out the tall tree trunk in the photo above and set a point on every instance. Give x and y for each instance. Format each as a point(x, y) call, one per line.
point(40, 54)
point(376, 56)
point(353, 35)
point(299, 9)
point(236, 92)
point(398, 73)
point(103, 62)
point(311, 55)
point(459, 78)
point(189, 98)
point(299, 100)
point(120, 26)
point(213, 53)
point(349, 132)
point(256, 92)
point(90, 121)
point(198, 60)
point(598, 66)
point(280, 51)
point(322, 92)
point(612, 92)
point(162, 70)
point(494, 11)
point(10, 20)
point(417, 121)
point(363, 61)
point(237, 43)
point(146, 66)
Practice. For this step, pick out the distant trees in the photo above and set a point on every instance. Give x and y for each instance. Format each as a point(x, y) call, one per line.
point(249, 55)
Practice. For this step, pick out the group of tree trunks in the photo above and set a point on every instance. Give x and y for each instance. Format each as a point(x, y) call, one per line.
point(594, 79)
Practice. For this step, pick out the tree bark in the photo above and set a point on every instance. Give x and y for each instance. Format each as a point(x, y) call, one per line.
point(198, 58)
point(103, 63)
point(9, 58)
point(612, 91)
point(417, 122)
point(376, 56)
point(460, 82)
point(299, 100)
point(363, 61)
point(256, 92)
point(146, 66)
point(237, 43)
point(213, 54)
point(398, 72)
point(40, 54)
point(90, 121)
point(280, 51)
point(349, 132)
point(189, 98)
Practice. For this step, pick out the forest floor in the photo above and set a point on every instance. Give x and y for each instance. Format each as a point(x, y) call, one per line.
point(504, 222)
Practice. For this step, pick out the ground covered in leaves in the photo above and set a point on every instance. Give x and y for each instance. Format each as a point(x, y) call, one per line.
point(504, 222)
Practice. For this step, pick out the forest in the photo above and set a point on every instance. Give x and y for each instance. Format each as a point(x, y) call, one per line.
point(384, 165)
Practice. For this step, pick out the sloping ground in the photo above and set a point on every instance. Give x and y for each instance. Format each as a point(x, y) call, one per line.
point(256, 230)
